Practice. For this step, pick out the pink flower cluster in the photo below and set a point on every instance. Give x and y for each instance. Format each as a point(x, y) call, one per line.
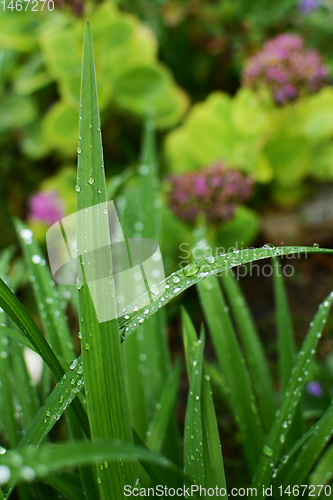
point(286, 68)
point(212, 193)
point(46, 207)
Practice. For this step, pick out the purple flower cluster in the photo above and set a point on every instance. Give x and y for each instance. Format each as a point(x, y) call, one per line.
point(46, 207)
point(286, 68)
point(314, 388)
point(212, 193)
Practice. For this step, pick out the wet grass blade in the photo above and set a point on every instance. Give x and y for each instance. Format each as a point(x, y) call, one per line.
point(68, 485)
point(7, 393)
point(233, 366)
point(199, 270)
point(26, 393)
point(14, 334)
point(286, 345)
point(193, 446)
point(55, 405)
point(102, 358)
point(46, 295)
point(50, 458)
point(284, 462)
point(117, 182)
point(271, 450)
point(212, 453)
point(164, 411)
point(15, 310)
point(253, 350)
point(323, 472)
point(309, 453)
point(285, 333)
point(147, 352)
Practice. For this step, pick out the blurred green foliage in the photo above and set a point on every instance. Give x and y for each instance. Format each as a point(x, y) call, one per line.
point(131, 80)
point(142, 48)
point(281, 145)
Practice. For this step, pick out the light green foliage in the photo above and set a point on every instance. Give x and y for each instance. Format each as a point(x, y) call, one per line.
point(131, 79)
point(281, 145)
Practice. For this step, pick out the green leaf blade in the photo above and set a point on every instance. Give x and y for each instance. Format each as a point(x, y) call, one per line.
point(253, 350)
point(102, 359)
point(193, 445)
point(284, 418)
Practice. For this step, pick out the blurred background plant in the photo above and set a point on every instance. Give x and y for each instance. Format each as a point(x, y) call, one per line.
point(218, 71)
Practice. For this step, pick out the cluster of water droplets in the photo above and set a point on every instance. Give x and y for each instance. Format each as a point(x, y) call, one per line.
point(69, 386)
point(284, 416)
point(194, 272)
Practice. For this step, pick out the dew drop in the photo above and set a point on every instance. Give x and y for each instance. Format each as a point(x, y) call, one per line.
point(91, 180)
point(315, 245)
point(36, 259)
point(268, 451)
point(78, 283)
point(210, 259)
point(79, 150)
point(77, 188)
point(175, 279)
point(191, 269)
point(26, 234)
point(155, 289)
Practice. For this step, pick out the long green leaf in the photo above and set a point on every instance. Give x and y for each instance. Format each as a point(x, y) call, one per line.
point(271, 450)
point(212, 454)
point(14, 334)
point(284, 462)
point(53, 408)
point(164, 410)
point(286, 345)
point(253, 350)
point(310, 452)
point(102, 359)
point(53, 318)
point(323, 473)
point(233, 366)
point(38, 462)
point(46, 294)
point(285, 334)
point(25, 389)
point(68, 485)
point(172, 287)
point(15, 310)
point(147, 352)
point(193, 446)
point(7, 393)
